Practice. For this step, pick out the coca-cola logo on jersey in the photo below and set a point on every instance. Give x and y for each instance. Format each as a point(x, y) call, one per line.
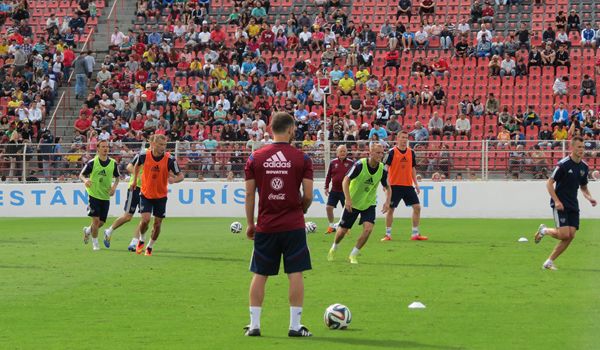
point(277, 197)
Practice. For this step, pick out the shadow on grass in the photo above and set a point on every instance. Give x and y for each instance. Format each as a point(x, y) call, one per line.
point(376, 343)
point(16, 242)
point(186, 255)
point(419, 265)
point(581, 270)
point(19, 267)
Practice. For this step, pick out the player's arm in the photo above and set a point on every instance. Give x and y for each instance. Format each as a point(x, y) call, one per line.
point(388, 193)
point(586, 193)
point(346, 189)
point(307, 194)
point(250, 203)
point(87, 169)
point(328, 179)
point(414, 172)
point(550, 187)
point(116, 177)
point(137, 161)
point(175, 171)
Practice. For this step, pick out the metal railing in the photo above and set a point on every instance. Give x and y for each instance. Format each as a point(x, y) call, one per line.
point(436, 160)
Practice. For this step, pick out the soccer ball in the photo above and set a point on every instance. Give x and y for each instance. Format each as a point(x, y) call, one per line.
point(337, 316)
point(311, 227)
point(235, 227)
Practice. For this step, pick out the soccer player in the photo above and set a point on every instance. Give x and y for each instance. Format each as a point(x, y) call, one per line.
point(156, 165)
point(131, 205)
point(401, 163)
point(100, 185)
point(360, 190)
point(335, 175)
point(278, 171)
point(570, 174)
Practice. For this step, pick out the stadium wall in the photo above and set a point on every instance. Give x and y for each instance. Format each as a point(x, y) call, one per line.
point(480, 199)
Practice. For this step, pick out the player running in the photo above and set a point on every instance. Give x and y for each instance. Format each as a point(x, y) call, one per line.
point(335, 175)
point(131, 204)
point(401, 165)
point(360, 190)
point(278, 171)
point(570, 174)
point(156, 165)
point(101, 185)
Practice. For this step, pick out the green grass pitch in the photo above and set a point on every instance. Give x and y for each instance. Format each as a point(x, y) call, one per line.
point(482, 289)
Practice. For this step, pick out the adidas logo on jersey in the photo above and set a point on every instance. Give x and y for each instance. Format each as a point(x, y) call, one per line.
point(277, 161)
point(155, 168)
point(102, 172)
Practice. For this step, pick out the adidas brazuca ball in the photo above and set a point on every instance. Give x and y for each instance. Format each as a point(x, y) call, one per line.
point(235, 227)
point(311, 227)
point(337, 316)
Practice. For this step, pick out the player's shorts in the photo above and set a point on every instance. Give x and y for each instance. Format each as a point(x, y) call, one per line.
point(334, 198)
point(566, 218)
point(133, 201)
point(269, 247)
point(348, 218)
point(157, 206)
point(98, 208)
point(404, 193)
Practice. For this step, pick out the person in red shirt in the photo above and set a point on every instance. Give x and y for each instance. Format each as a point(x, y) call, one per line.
point(82, 125)
point(267, 37)
point(218, 37)
point(278, 171)
point(138, 123)
point(141, 76)
point(150, 95)
point(338, 168)
point(441, 68)
point(391, 60)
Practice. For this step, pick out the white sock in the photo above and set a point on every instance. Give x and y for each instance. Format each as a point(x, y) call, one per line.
point(88, 230)
point(134, 241)
point(334, 246)
point(95, 240)
point(354, 251)
point(108, 231)
point(295, 316)
point(143, 237)
point(388, 231)
point(548, 262)
point(332, 225)
point(543, 231)
point(415, 230)
point(150, 244)
point(255, 317)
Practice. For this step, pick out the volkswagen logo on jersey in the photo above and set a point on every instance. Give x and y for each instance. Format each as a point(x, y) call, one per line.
point(277, 161)
point(277, 183)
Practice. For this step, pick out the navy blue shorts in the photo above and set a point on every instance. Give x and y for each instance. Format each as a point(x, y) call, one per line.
point(269, 247)
point(566, 218)
point(404, 193)
point(98, 208)
point(335, 198)
point(158, 206)
point(348, 219)
point(133, 201)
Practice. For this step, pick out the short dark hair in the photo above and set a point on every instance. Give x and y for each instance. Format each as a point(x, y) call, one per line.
point(281, 122)
point(576, 139)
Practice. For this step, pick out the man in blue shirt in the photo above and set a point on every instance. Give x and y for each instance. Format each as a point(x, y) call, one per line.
point(381, 132)
point(154, 38)
point(587, 36)
point(568, 177)
point(561, 115)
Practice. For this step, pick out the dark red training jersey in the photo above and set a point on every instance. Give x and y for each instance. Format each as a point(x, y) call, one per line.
point(278, 170)
point(335, 174)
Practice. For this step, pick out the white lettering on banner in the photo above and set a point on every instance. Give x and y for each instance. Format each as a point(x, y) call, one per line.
point(493, 199)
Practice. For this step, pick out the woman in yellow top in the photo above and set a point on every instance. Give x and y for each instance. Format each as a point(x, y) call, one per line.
point(195, 68)
point(4, 48)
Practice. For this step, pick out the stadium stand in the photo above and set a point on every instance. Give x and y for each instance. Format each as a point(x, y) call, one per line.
point(477, 84)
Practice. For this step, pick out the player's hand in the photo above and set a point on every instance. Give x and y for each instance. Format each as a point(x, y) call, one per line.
point(593, 202)
point(250, 231)
point(418, 189)
point(559, 206)
point(348, 205)
point(88, 183)
point(171, 180)
point(386, 208)
point(133, 186)
point(327, 192)
point(112, 191)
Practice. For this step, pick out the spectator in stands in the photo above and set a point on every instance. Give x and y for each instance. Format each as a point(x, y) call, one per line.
point(463, 126)
point(477, 107)
point(392, 60)
point(548, 56)
point(588, 87)
point(421, 38)
point(484, 47)
point(439, 96)
point(573, 22)
point(562, 38)
point(535, 58)
point(487, 14)
point(492, 105)
point(560, 116)
point(484, 32)
point(508, 66)
point(419, 134)
point(379, 131)
point(404, 9)
point(494, 66)
point(462, 47)
point(346, 85)
point(560, 86)
point(435, 125)
point(476, 11)
point(449, 129)
point(446, 37)
point(393, 126)
point(588, 36)
point(504, 117)
point(427, 10)
point(440, 68)
point(465, 106)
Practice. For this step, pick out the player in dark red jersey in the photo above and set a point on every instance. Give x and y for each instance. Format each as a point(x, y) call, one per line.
point(278, 171)
point(335, 175)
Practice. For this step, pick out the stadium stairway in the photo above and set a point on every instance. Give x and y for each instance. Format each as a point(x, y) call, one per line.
point(68, 111)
